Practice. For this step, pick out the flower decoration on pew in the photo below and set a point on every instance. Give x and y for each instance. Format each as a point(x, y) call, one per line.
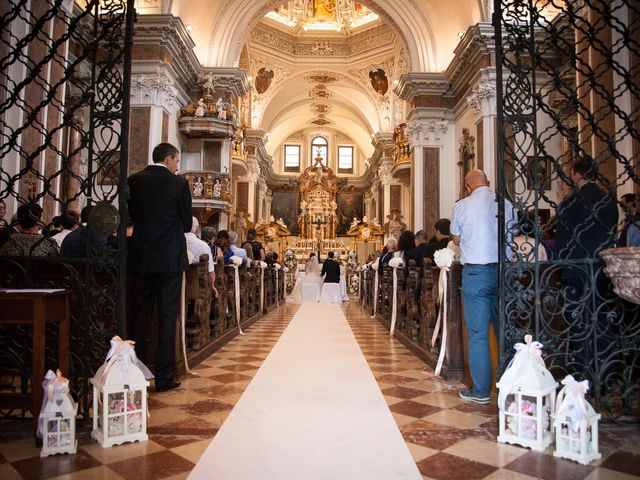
point(376, 264)
point(277, 266)
point(235, 260)
point(396, 262)
point(444, 257)
point(262, 264)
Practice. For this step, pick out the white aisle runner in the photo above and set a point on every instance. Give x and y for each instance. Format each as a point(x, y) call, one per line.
point(313, 411)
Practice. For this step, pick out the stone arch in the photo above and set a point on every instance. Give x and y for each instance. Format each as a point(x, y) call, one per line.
point(229, 31)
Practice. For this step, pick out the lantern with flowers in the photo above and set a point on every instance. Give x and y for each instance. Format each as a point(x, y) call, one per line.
point(526, 398)
point(57, 421)
point(120, 396)
point(576, 423)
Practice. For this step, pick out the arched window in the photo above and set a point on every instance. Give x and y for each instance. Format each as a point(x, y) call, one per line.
point(319, 147)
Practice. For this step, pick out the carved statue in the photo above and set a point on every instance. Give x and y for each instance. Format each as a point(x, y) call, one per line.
point(217, 188)
point(240, 226)
point(201, 110)
point(198, 187)
point(467, 158)
point(220, 111)
point(395, 226)
point(207, 83)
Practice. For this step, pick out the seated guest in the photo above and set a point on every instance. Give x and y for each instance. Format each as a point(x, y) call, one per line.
point(633, 235)
point(441, 238)
point(209, 236)
point(390, 247)
point(420, 252)
point(69, 222)
point(330, 269)
point(222, 242)
point(28, 241)
point(9, 230)
point(77, 243)
point(406, 242)
point(271, 258)
point(199, 247)
point(629, 203)
point(234, 249)
point(256, 247)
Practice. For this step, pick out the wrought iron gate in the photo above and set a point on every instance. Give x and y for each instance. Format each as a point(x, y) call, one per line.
point(568, 83)
point(64, 107)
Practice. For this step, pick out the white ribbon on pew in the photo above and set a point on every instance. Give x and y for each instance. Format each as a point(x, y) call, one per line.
point(262, 266)
point(395, 263)
point(183, 322)
point(442, 318)
point(235, 262)
point(375, 267)
point(277, 267)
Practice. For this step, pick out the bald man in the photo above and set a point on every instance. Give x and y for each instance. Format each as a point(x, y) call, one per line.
point(474, 227)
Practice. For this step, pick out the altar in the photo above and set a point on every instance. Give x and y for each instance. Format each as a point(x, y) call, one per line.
point(318, 220)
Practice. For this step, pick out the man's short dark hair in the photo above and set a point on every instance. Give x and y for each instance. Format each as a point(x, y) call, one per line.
point(69, 219)
point(252, 233)
point(586, 168)
point(84, 214)
point(421, 237)
point(29, 214)
point(330, 254)
point(162, 151)
point(444, 226)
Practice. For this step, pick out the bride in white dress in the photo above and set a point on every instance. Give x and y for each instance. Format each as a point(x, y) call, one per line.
point(312, 275)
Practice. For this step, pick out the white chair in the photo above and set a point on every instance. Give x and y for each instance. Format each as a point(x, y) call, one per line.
point(331, 293)
point(310, 292)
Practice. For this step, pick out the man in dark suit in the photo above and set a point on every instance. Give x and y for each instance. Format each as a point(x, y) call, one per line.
point(330, 270)
point(442, 227)
point(160, 208)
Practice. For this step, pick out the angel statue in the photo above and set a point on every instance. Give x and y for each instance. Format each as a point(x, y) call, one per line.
point(201, 110)
point(207, 83)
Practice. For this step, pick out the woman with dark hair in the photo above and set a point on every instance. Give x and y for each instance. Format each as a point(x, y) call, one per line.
point(222, 242)
point(406, 242)
point(253, 244)
point(29, 241)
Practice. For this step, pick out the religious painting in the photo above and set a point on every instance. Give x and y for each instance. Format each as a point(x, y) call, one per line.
point(544, 173)
point(379, 81)
point(324, 9)
point(349, 205)
point(263, 79)
point(285, 206)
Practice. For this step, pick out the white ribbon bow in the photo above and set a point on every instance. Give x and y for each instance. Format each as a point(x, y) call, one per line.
point(443, 286)
point(123, 349)
point(237, 292)
point(262, 266)
point(526, 353)
point(571, 402)
point(394, 303)
point(57, 396)
point(375, 267)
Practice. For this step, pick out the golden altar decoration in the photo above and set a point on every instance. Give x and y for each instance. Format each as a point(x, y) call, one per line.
point(273, 234)
point(318, 189)
point(366, 238)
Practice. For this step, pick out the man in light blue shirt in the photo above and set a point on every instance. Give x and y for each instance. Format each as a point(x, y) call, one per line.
point(474, 227)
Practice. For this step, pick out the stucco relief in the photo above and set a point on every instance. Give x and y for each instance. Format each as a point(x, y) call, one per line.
point(483, 99)
point(153, 90)
point(425, 133)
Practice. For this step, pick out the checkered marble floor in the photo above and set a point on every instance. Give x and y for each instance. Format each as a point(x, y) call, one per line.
point(449, 439)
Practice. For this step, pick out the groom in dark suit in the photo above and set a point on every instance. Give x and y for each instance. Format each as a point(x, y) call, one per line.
point(331, 269)
point(160, 208)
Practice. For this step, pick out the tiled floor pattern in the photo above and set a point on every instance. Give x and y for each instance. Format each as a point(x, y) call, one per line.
point(448, 438)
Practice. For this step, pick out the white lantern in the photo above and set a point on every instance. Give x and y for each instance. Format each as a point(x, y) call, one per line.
point(576, 423)
point(57, 425)
point(120, 397)
point(526, 399)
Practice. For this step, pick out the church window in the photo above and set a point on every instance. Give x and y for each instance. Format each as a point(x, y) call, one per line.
point(345, 159)
point(292, 158)
point(319, 146)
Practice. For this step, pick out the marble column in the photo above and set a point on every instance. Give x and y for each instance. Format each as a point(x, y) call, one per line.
point(426, 140)
point(77, 158)
point(153, 98)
